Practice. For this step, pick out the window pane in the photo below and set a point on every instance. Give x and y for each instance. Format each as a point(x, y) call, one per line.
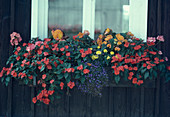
point(112, 14)
point(65, 15)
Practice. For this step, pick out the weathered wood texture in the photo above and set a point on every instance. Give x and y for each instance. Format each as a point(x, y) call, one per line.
point(117, 101)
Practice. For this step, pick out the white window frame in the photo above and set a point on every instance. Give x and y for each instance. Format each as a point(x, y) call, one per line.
point(137, 18)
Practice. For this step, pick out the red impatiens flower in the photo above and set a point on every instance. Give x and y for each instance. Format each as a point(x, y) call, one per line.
point(134, 81)
point(149, 67)
point(50, 92)
point(68, 54)
point(140, 82)
point(83, 55)
point(152, 52)
point(34, 100)
point(18, 49)
point(135, 68)
point(49, 66)
point(131, 73)
point(46, 100)
point(116, 72)
point(61, 85)
point(71, 84)
point(126, 66)
point(44, 76)
point(86, 71)
point(126, 44)
point(46, 53)
point(62, 49)
point(81, 51)
point(43, 85)
point(39, 52)
point(66, 46)
point(137, 47)
point(51, 81)
point(55, 63)
point(18, 58)
point(144, 65)
point(80, 67)
point(30, 77)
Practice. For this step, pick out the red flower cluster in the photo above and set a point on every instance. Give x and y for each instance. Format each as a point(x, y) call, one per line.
point(43, 96)
point(71, 84)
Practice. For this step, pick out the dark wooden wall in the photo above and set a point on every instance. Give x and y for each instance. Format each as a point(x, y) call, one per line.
point(15, 100)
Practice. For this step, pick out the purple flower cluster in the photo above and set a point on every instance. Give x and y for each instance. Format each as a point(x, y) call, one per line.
point(95, 80)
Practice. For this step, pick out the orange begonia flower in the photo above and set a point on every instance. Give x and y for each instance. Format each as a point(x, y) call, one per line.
point(119, 37)
point(57, 34)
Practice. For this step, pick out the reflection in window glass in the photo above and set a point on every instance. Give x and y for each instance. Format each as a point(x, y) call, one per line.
point(65, 15)
point(112, 14)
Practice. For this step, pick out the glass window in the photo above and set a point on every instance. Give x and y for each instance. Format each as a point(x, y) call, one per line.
point(65, 15)
point(112, 14)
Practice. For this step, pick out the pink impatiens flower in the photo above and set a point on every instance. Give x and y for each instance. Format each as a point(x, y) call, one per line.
point(151, 39)
point(30, 47)
point(160, 38)
point(15, 38)
point(160, 52)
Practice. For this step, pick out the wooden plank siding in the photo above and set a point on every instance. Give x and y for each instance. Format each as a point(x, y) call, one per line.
point(122, 100)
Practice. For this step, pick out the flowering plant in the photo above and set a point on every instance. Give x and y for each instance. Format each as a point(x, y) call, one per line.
point(59, 63)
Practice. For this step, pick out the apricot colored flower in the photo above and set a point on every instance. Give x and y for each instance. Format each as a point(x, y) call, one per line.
point(99, 41)
point(80, 35)
point(119, 37)
point(119, 43)
point(107, 31)
point(117, 49)
point(109, 45)
point(57, 34)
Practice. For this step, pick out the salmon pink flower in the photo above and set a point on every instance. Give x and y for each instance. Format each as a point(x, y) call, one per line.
point(81, 51)
point(43, 85)
point(86, 71)
point(151, 39)
point(51, 81)
point(46, 53)
point(30, 47)
point(80, 67)
point(68, 54)
point(34, 100)
point(83, 55)
point(160, 38)
point(62, 49)
point(44, 76)
point(71, 84)
point(46, 101)
point(61, 85)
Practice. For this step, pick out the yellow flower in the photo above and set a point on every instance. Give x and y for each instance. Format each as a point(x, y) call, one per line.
point(107, 31)
point(111, 52)
point(100, 36)
point(115, 39)
point(105, 50)
point(98, 47)
point(98, 52)
point(108, 57)
point(57, 34)
point(95, 57)
point(91, 48)
point(89, 64)
point(119, 43)
point(119, 37)
point(117, 49)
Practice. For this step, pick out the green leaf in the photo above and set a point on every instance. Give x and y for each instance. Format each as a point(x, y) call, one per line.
point(117, 79)
point(2, 79)
point(82, 80)
point(76, 57)
point(146, 75)
point(66, 75)
point(60, 76)
point(8, 79)
point(77, 76)
point(42, 68)
point(58, 72)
